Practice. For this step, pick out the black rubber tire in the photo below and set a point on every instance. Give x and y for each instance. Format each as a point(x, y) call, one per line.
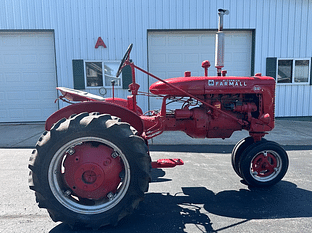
point(237, 152)
point(254, 151)
point(121, 136)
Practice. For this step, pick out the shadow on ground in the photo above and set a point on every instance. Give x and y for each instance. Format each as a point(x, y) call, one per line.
point(164, 212)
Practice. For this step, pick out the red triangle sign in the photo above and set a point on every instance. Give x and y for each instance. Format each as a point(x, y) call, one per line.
point(100, 42)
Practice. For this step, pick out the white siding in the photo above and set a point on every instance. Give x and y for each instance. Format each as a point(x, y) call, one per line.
point(294, 100)
point(282, 29)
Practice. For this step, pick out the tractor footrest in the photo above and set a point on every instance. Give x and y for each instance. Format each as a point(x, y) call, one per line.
point(164, 163)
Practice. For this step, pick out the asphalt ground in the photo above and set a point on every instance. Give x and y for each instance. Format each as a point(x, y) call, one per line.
point(204, 195)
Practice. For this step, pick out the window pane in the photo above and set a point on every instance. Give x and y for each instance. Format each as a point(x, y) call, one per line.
point(285, 71)
point(301, 71)
point(94, 74)
point(110, 70)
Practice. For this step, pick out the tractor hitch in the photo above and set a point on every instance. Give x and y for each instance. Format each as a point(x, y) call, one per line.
point(165, 163)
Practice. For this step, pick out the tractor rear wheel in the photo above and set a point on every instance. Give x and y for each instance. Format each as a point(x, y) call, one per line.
point(90, 170)
point(263, 164)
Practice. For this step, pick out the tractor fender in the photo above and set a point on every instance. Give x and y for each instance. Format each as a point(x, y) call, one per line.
point(123, 113)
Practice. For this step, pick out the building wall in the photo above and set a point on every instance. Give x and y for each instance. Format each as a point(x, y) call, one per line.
point(282, 29)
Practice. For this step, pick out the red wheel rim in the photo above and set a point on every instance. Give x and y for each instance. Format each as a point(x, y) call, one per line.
point(265, 165)
point(91, 171)
point(63, 168)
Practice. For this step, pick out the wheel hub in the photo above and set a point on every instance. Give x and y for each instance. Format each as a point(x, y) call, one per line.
point(92, 170)
point(264, 164)
point(89, 177)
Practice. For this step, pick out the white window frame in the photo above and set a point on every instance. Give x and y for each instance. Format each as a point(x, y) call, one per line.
point(293, 72)
point(103, 75)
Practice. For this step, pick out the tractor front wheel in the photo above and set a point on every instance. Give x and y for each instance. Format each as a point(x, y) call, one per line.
point(263, 164)
point(90, 170)
point(238, 151)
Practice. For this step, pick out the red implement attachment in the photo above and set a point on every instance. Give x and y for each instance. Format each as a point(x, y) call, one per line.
point(163, 163)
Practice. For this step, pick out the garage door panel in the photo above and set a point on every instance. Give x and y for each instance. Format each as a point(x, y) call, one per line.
point(14, 96)
point(32, 95)
point(175, 58)
point(28, 40)
point(158, 58)
point(158, 41)
point(208, 40)
point(191, 40)
point(205, 56)
point(239, 40)
point(173, 74)
point(175, 41)
point(27, 73)
point(191, 58)
point(13, 78)
point(45, 60)
point(11, 59)
point(45, 39)
point(227, 60)
point(3, 114)
point(16, 113)
point(47, 95)
point(31, 77)
point(46, 112)
point(241, 57)
point(10, 40)
point(46, 78)
point(29, 59)
point(33, 113)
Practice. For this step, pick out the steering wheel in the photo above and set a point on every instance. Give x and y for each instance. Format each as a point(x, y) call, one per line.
point(125, 57)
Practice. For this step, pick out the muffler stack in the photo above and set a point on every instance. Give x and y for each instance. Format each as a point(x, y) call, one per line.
point(219, 54)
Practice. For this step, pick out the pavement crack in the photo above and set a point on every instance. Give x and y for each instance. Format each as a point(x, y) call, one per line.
point(36, 135)
point(4, 217)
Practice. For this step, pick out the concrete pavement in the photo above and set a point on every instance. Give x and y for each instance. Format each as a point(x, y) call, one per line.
point(286, 132)
point(23, 135)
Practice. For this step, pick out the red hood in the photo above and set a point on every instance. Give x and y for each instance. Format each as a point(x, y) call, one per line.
point(207, 85)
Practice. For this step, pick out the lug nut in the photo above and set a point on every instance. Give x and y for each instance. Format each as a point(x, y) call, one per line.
point(115, 154)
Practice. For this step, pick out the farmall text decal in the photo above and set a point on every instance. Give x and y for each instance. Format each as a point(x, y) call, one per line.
point(226, 83)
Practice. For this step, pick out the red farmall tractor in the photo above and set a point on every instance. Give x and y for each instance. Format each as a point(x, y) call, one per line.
point(92, 165)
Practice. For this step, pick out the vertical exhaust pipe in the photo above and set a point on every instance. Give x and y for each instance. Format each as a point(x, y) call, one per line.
point(219, 53)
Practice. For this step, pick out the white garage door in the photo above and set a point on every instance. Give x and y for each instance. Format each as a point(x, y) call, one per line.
point(27, 76)
point(172, 53)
